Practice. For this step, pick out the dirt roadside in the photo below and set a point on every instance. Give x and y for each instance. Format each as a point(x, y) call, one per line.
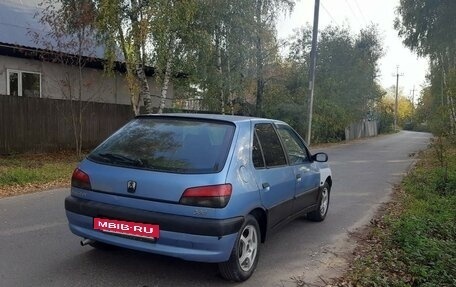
point(29, 172)
point(14, 190)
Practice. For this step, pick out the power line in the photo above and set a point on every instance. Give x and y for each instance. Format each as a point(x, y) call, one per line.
point(361, 12)
point(353, 13)
point(329, 14)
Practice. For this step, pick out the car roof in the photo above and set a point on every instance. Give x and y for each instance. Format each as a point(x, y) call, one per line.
point(228, 118)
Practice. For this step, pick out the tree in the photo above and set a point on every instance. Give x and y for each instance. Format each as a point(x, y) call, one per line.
point(173, 31)
point(346, 83)
point(125, 25)
point(240, 49)
point(266, 12)
point(427, 27)
point(385, 114)
point(70, 40)
point(222, 52)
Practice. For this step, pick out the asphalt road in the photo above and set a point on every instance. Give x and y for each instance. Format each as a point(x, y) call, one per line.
point(37, 249)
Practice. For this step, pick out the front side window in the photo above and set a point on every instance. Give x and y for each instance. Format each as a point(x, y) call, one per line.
point(24, 84)
point(270, 145)
point(168, 144)
point(297, 153)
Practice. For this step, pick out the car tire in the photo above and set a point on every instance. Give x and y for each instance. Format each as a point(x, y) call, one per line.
point(323, 204)
point(245, 254)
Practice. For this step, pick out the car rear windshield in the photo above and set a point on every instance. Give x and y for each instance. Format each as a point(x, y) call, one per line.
point(168, 144)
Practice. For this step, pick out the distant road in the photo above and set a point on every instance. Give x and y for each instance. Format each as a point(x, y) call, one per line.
point(37, 249)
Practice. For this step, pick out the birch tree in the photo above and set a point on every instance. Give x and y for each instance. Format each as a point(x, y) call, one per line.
point(226, 68)
point(229, 24)
point(125, 25)
point(266, 12)
point(68, 34)
point(427, 27)
point(173, 32)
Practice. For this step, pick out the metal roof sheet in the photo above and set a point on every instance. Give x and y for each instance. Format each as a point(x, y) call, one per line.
point(18, 23)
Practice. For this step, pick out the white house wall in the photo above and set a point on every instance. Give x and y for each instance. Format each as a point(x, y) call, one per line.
point(97, 86)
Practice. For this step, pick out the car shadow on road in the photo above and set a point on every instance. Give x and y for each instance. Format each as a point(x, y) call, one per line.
point(124, 267)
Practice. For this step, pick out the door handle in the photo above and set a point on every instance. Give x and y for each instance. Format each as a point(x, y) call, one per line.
point(298, 178)
point(266, 186)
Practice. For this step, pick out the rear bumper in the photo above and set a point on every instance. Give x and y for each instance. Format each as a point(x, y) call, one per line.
point(188, 238)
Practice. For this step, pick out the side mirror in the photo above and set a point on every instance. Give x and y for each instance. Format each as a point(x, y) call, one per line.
point(320, 157)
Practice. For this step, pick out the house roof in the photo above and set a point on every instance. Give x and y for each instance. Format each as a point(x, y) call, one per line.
point(18, 23)
point(16, 17)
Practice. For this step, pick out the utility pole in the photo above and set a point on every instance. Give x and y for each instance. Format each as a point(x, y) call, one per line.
point(413, 96)
point(395, 102)
point(313, 62)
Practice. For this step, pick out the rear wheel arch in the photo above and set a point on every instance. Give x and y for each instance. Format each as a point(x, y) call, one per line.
point(262, 219)
point(329, 181)
point(245, 254)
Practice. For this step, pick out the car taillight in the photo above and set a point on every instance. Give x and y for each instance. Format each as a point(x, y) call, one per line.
point(207, 196)
point(80, 179)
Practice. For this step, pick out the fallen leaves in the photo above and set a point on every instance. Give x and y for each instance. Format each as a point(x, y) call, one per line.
point(29, 172)
point(32, 187)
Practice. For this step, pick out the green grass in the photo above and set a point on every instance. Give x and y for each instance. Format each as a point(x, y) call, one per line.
point(35, 169)
point(414, 244)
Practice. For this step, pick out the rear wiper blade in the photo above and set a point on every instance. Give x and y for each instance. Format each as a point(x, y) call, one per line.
point(121, 158)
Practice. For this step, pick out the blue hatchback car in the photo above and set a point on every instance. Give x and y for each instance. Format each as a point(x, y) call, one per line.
point(206, 188)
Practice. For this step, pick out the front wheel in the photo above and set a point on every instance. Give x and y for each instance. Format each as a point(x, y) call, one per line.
point(245, 253)
point(323, 204)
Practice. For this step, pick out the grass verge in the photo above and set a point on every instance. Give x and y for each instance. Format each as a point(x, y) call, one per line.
point(30, 172)
point(414, 242)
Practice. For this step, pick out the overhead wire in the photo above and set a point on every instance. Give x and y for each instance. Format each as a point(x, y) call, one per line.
point(360, 12)
point(329, 14)
point(353, 13)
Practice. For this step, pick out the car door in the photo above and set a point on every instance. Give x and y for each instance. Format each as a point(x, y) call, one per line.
point(273, 175)
point(305, 172)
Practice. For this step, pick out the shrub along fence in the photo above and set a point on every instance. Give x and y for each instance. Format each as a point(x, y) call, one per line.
point(41, 124)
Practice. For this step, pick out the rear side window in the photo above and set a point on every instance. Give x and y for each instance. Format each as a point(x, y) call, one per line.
point(168, 144)
point(257, 154)
point(270, 145)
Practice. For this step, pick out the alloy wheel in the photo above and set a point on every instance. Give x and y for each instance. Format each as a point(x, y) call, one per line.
point(248, 245)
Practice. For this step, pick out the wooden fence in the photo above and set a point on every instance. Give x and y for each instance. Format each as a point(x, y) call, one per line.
point(362, 129)
point(41, 124)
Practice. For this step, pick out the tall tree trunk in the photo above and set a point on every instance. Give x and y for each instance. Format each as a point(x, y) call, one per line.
point(78, 126)
point(167, 76)
point(230, 90)
point(449, 100)
point(259, 62)
point(130, 76)
point(73, 113)
point(144, 91)
point(79, 115)
point(134, 95)
point(451, 80)
point(219, 69)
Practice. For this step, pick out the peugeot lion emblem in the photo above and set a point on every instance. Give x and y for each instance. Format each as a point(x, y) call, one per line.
point(131, 186)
